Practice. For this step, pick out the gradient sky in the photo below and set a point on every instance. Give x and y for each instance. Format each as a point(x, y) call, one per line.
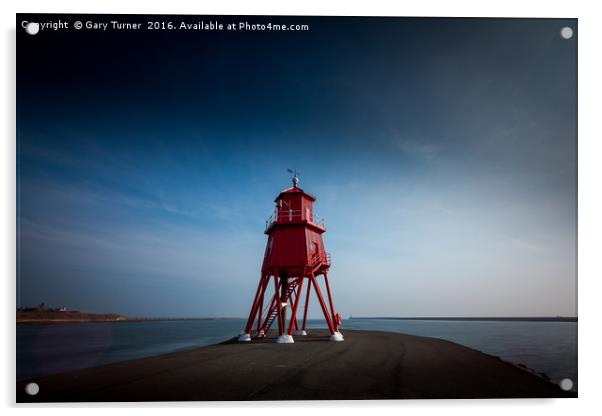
point(442, 153)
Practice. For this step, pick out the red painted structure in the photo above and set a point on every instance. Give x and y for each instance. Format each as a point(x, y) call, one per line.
point(294, 260)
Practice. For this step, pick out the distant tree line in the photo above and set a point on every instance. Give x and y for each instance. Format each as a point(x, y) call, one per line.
point(42, 308)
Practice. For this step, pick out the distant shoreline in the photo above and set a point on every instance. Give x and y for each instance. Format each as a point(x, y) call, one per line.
point(72, 317)
point(459, 318)
point(92, 318)
point(124, 320)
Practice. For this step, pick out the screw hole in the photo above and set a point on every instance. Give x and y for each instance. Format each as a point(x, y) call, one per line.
point(32, 389)
point(566, 384)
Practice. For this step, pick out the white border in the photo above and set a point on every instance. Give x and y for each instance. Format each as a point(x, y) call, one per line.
point(590, 204)
point(508, 8)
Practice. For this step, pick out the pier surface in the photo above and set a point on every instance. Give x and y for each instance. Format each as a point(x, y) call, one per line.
point(368, 365)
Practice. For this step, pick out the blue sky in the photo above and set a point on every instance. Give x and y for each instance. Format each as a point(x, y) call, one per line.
point(442, 153)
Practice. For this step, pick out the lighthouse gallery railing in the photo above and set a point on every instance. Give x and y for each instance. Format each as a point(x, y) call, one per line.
point(290, 215)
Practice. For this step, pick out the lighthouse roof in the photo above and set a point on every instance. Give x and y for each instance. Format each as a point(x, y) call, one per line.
point(294, 190)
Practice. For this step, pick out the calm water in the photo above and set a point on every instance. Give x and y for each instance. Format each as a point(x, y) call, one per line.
point(548, 347)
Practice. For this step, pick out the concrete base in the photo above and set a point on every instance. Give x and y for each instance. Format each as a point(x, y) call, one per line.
point(244, 338)
point(300, 333)
point(285, 339)
point(337, 337)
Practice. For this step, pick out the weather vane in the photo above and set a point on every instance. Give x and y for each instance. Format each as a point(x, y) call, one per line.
point(295, 176)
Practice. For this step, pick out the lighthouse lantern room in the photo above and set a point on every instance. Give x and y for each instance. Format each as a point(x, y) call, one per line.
point(294, 263)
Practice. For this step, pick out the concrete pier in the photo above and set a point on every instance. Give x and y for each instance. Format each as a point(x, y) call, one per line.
point(368, 365)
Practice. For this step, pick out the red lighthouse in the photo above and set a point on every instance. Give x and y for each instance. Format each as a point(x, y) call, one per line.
point(294, 260)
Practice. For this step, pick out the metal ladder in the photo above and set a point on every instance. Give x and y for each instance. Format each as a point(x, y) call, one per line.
point(273, 313)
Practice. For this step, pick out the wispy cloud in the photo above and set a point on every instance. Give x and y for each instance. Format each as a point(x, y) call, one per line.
point(416, 149)
point(527, 245)
point(445, 211)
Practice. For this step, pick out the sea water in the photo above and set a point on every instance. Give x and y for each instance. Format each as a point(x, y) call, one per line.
point(546, 347)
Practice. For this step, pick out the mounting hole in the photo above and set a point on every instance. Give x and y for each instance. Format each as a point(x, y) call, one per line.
point(566, 32)
point(32, 28)
point(566, 384)
point(32, 389)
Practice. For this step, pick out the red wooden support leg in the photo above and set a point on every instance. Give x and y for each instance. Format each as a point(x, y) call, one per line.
point(269, 310)
point(294, 315)
point(334, 318)
point(254, 308)
point(322, 304)
point(296, 293)
point(279, 307)
point(262, 295)
point(306, 304)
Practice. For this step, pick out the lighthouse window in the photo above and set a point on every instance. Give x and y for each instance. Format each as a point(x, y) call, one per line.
point(313, 247)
